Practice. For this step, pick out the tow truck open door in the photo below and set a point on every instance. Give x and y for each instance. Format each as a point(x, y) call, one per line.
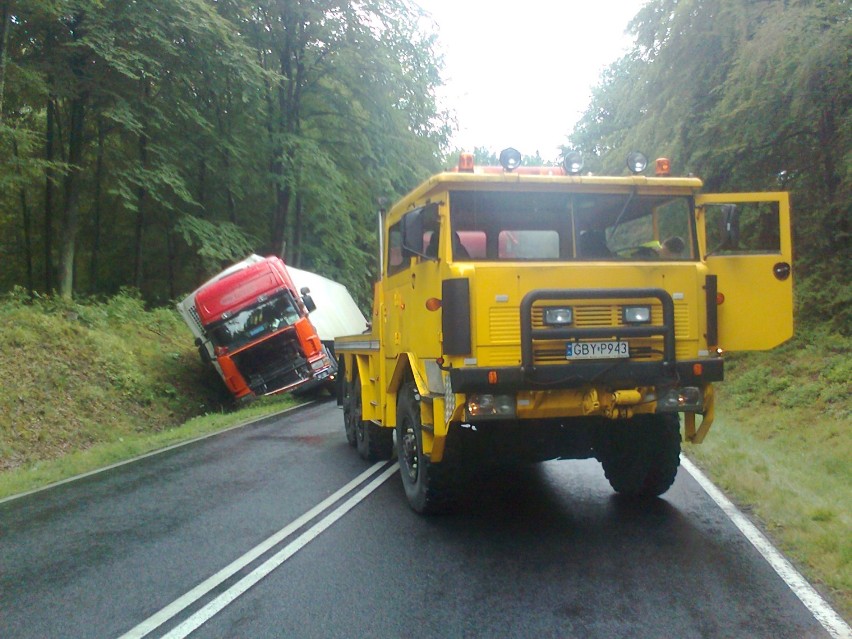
point(748, 249)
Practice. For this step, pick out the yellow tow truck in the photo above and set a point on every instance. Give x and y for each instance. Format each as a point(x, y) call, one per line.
point(534, 313)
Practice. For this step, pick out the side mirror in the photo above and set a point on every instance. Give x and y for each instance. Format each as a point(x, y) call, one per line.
point(414, 225)
point(309, 301)
point(203, 353)
point(412, 234)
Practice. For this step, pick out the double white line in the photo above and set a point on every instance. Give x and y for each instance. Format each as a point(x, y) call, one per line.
point(216, 605)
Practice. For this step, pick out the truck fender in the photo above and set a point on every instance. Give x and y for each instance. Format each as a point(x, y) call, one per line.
point(406, 362)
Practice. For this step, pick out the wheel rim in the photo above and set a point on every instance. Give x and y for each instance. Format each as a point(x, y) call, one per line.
point(410, 452)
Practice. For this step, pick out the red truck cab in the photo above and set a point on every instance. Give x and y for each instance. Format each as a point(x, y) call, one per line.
point(252, 324)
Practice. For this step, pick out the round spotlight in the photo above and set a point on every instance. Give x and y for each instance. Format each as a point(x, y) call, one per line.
point(510, 159)
point(573, 162)
point(636, 162)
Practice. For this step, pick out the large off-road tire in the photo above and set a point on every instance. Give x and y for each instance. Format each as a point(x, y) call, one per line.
point(640, 456)
point(430, 488)
point(351, 409)
point(373, 442)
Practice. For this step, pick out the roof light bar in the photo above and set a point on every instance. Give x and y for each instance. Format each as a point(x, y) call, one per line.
point(573, 162)
point(510, 159)
point(637, 162)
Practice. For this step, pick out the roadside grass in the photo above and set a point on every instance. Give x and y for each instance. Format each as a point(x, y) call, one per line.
point(86, 384)
point(781, 448)
point(38, 474)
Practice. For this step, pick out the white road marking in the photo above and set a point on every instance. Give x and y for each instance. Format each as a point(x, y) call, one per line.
point(179, 604)
point(215, 606)
point(814, 602)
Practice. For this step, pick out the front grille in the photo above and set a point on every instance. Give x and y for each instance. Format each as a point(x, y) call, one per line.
point(193, 313)
point(273, 364)
point(504, 329)
point(504, 325)
point(598, 319)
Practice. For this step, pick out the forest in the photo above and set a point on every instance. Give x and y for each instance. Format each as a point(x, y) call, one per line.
point(749, 95)
point(145, 144)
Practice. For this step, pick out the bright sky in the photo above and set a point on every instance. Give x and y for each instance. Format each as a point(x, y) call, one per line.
point(520, 73)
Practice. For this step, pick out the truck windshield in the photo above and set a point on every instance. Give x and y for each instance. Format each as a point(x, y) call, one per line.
point(251, 323)
point(494, 225)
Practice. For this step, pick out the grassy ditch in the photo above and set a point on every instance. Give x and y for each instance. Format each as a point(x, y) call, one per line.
point(88, 384)
point(781, 448)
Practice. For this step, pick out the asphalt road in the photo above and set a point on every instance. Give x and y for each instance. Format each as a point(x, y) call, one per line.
point(544, 551)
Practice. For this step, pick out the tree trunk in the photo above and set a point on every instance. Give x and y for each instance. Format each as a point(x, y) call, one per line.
point(96, 222)
point(50, 174)
point(26, 220)
point(141, 198)
point(232, 205)
point(5, 11)
point(224, 135)
point(202, 185)
point(296, 248)
point(279, 223)
point(171, 248)
point(289, 97)
point(71, 215)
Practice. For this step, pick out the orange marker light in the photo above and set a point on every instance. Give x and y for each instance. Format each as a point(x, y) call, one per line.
point(492, 377)
point(697, 370)
point(720, 299)
point(433, 304)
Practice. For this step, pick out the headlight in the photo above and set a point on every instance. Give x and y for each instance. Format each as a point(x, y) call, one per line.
point(558, 316)
point(479, 406)
point(636, 314)
point(317, 364)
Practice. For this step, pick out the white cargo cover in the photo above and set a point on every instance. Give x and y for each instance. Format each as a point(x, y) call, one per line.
point(337, 313)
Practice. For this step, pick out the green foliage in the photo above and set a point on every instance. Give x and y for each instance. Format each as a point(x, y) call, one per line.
point(92, 372)
point(216, 244)
point(813, 370)
point(154, 141)
point(742, 93)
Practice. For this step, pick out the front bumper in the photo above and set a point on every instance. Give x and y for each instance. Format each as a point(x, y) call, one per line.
point(621, 374)
point(665, 371)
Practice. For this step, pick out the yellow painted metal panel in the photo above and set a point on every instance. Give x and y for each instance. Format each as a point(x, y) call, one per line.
point(757, 312)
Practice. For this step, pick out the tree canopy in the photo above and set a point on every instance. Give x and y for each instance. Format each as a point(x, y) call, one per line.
point(149, 143)
point(749, 96)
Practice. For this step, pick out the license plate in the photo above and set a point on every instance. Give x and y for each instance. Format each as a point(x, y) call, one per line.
point(597, 350)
